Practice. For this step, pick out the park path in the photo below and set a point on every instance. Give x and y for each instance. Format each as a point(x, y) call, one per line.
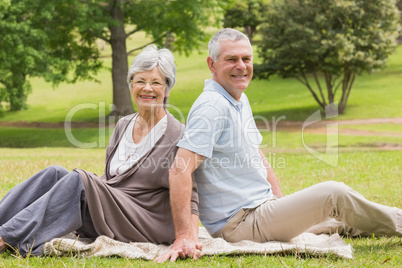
point(281, 125)
point(320, 126)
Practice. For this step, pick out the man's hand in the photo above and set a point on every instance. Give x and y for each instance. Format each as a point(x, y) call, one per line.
point(182, 248)
point(185, 223)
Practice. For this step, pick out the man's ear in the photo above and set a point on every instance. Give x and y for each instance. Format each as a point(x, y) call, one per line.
point(211, 64)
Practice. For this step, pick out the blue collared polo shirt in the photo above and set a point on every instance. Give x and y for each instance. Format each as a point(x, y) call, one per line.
point(232, 175)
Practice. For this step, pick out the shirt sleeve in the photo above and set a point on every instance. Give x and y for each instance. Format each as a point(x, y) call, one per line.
point(204, 127)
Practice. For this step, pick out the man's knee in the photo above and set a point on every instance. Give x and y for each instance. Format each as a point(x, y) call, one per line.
point(335, 188)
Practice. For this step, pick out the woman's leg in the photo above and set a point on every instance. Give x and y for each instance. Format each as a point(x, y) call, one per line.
point(287, 217)
point(54, 214)
point(87, 228)
point(28, 191)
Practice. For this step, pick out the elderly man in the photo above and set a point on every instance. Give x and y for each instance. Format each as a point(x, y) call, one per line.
point(239, 194)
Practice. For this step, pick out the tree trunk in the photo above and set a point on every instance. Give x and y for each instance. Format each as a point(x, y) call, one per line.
point(348, 80)
point(399, 5)
point(18, 93)
point(249, 31)
point(121, 94)
point(169, 40)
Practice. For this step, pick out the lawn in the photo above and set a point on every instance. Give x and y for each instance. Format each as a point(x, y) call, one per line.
point(375, 174)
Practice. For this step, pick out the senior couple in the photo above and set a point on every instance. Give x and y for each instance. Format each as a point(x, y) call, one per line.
point(161, 178)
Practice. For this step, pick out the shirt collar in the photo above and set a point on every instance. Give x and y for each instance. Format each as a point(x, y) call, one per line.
point(211, 85)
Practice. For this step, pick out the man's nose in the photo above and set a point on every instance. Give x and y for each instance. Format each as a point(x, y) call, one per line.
point(241, 65)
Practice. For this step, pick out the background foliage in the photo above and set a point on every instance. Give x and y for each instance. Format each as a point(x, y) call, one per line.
point(248, 14)
point(39, 38)
point(332, 40)
point(57, 40)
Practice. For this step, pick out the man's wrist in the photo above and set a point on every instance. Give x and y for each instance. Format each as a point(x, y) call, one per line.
point(184, 235)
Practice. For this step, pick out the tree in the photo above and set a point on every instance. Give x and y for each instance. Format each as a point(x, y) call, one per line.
point(399, 5)
point(30, 45)
point(51, 39)
point(248, 14)
point(328, 39)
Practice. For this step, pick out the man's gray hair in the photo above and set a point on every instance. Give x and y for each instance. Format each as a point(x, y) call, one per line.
point(150, 58)
point(214, 46)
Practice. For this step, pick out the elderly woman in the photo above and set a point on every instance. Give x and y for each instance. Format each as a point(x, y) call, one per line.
point(130, 202)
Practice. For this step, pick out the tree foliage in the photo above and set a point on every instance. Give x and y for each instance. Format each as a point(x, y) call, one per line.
point(246, 13)
point(399, 5)
point(57, 39)
point(40, 45)
point(329, 39)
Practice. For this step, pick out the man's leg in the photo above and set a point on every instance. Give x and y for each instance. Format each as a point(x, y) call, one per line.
point(54, 214)
point(285, 218)
point(332, 226)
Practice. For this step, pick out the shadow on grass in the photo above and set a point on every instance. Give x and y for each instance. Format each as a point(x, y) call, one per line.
point(56, 137)
point(292, 114)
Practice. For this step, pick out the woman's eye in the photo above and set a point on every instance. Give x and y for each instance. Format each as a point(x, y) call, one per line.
point(155, 83)
point(140, 82)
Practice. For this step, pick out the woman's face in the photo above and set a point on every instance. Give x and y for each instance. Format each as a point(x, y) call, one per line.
point(148, 89)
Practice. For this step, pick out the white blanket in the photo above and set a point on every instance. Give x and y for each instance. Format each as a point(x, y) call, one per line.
point(310, 244)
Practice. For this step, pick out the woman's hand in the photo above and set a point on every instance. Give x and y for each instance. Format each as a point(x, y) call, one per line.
point(182, 248)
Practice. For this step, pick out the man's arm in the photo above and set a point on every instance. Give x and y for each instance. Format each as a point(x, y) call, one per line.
point(271, 177)
point(186, 225)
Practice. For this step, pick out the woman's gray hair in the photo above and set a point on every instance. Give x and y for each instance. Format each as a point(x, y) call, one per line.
point(150, 58)
point(214, 45)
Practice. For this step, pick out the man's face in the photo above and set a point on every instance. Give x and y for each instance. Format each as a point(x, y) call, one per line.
point(234, 68)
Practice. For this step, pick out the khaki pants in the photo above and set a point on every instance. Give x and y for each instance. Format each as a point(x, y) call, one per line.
point(309, 210)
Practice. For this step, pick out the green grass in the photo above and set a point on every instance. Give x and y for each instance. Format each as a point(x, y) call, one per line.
point(53, 137)
point(376, 175)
